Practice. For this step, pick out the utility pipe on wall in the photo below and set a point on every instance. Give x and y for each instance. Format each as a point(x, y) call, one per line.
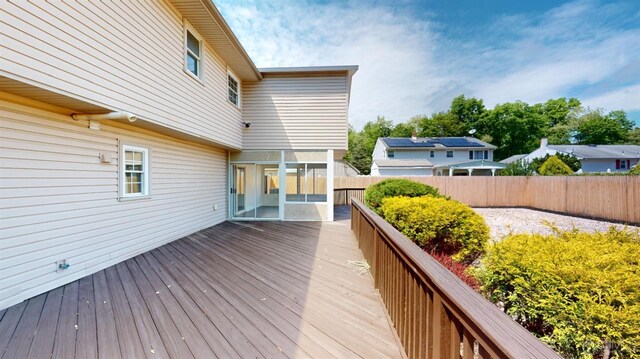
point(116, 116)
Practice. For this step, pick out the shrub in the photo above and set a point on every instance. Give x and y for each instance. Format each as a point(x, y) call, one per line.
point(554, 167)
point(635, 171)
point(577, 291)
point(439, 225)
point(570, 160)
point(517, 168)
point(394, 187)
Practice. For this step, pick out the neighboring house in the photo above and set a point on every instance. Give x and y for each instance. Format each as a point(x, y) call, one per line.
point(437, 156)
point(127, 125)
point(594, 158)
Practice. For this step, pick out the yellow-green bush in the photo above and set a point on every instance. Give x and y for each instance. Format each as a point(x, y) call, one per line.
point(554, 167)
point(438, 224)
point(577, 291)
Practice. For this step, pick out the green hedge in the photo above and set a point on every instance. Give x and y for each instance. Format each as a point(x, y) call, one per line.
point(394, 187)
point(576, 291)
point(439, 225)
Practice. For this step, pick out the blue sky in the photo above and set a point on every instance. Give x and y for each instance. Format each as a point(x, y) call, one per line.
point(415, 56)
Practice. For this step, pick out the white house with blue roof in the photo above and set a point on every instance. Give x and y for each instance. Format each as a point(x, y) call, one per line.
point(433, 156)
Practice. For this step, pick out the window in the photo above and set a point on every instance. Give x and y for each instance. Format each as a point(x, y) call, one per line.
point(432, 154)
point(306, 182)
point(134, 175)
point(192, 52)
point(623, 164)
point(479, 155)
point(449, 153)
point(234, 90)
point(390, 154)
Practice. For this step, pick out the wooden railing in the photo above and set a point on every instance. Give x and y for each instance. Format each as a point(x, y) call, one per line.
point(343, 196)
point(435, 314)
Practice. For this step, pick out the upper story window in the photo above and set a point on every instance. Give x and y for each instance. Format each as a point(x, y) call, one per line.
point(134, 171)
point(193, 52)
point(479, 155)
point(234, 89)
point(449, 153)
point(390, 154)
point(432, 154)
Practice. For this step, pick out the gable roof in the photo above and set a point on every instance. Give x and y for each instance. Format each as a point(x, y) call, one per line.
point(433, 142)
point(599, 151)
point(205, 17)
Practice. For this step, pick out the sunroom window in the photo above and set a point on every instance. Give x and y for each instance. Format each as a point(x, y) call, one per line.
point(306, 182)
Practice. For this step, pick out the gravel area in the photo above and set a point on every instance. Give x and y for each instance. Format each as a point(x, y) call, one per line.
point(502, 221)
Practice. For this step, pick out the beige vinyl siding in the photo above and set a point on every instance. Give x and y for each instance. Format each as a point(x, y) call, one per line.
point(59, 201)
point(123, 55)
point(296, 112)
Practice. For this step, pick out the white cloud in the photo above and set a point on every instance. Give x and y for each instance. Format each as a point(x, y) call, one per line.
point(409, 66)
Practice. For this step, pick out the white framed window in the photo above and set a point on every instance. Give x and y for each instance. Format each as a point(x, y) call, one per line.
point(233, 91)
point(479, 155)
point(432, 154)
point(449, 154)
point(306, 182)
point(390, 154)
point(134, 171)
point(193, 52)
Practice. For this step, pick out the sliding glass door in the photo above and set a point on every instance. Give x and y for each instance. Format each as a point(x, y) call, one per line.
point(256, 191)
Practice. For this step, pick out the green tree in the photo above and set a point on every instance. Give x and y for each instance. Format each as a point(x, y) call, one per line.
point(441, 124)
point(595, 127)
point(357, 154)
point(633, 137)
point(361, 143)
point(468, 111)
point(554, 167)
point(514, 127)
point(403, 129)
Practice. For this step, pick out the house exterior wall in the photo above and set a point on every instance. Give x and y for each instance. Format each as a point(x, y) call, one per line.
point(122, 55)
point(603, 165)
point(59, 201)
point(390, 172)
point(296, 112)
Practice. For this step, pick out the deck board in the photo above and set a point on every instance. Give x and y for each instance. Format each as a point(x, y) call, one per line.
point(236, 290)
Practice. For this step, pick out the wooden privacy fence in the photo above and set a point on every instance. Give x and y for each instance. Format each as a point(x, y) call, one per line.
point(435, 314)
point(614, 198)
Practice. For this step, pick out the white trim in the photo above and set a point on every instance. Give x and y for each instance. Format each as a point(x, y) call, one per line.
point(186, 51)
point(239, 91)
point(146, 173)
point(330, 175)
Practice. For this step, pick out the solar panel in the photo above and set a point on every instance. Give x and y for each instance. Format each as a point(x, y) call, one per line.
point(457, 142)
point(407, 142)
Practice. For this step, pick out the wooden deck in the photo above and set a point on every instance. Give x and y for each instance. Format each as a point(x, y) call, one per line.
point(236, 290)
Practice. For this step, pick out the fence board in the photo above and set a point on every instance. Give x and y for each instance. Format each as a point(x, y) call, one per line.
point(612, 198)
